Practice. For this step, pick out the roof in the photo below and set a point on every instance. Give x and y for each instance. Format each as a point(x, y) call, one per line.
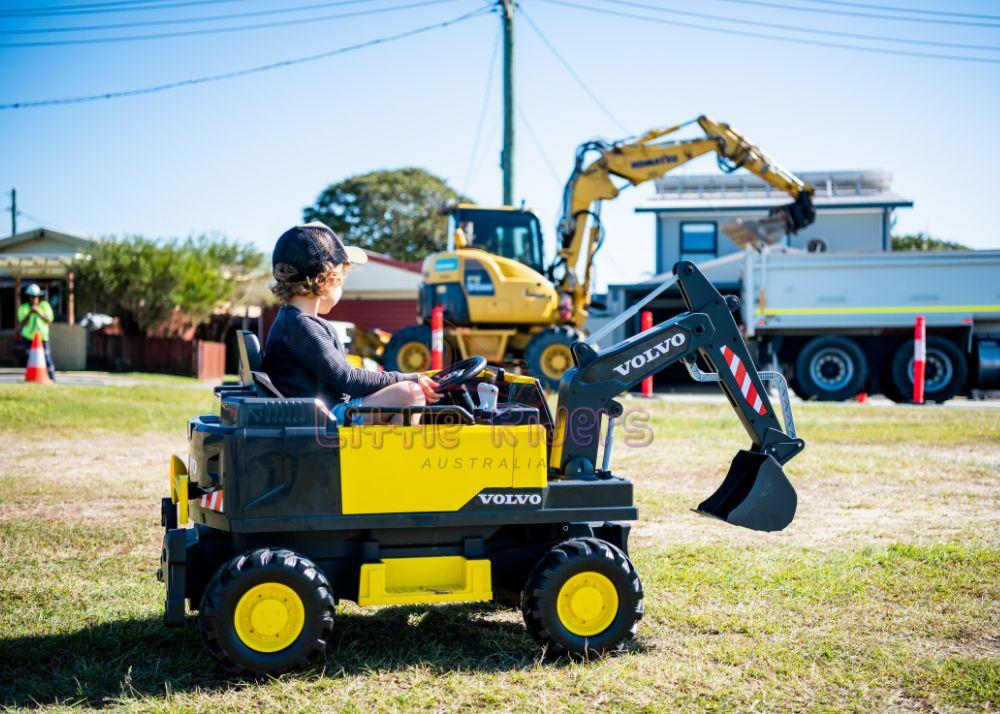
point(869, 188)
point(41, 253)
point(388, 260)
point(383, 277)
point(74, 242)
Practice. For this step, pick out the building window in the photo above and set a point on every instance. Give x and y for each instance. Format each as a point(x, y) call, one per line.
point(699, 241)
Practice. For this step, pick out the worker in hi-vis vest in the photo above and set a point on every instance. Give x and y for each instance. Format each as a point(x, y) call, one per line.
point(33, 316)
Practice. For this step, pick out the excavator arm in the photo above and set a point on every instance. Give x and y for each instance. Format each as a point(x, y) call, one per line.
point(643, 159)
point(755, 493)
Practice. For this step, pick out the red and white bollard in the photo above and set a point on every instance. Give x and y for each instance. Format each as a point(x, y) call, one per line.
point(646, 323)
point(437, 337)
point(919, 359)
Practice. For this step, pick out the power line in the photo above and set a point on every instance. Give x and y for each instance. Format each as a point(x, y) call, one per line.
point(800, 28)
point(894, 8)
point(180, 21)
point(243, 72)
point(572, 72)
point(777, 38)
point(89, 5)
point(850, 13)
point(221, 30)
point(538, 145)
point(99, 9)
point(482, 112)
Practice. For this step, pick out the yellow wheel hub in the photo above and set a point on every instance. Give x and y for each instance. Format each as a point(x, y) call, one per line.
point(587, 604)
point(414, 357)
point(269, 617)
point(555, 360)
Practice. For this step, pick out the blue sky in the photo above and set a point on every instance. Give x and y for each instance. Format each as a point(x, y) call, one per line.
point(244, 156)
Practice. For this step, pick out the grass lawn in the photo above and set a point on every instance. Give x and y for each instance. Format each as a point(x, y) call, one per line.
point(884, 594)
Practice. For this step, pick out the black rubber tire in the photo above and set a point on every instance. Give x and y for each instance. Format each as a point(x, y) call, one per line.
point(942, 354)
point(842, 354)
point(235, 578)
point(569, 558)
point(542, 340)
point(412, 333)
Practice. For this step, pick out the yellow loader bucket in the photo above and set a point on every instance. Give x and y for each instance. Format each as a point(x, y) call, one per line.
point(756, 494)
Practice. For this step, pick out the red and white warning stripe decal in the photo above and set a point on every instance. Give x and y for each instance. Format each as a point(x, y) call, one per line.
point(735, 365)
point(212, 500)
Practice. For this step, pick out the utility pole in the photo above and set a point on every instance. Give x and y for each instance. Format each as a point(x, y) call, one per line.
point(13, 211)
point(507, 152)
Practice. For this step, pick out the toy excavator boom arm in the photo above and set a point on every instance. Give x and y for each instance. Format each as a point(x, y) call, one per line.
point(707, 329)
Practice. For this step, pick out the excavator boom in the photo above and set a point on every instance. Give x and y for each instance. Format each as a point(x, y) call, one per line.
point(648, 157)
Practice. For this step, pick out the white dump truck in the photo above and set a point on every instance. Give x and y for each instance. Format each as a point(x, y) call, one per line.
point(842, 323)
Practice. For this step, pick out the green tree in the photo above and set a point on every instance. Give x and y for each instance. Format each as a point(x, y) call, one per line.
point(922, 241)
point(396, 212)
point(142, 281)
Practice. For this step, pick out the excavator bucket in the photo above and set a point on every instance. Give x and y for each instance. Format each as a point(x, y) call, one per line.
point(756, 233)
point(756, 494)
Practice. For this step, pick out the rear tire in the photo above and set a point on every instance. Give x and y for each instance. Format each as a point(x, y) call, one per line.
point(945, 373)
point(266, 612)
point(548, 354)
point(583, 598)
point(830, 368)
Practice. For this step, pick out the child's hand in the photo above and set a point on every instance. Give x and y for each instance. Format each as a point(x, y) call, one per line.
point(430, 388)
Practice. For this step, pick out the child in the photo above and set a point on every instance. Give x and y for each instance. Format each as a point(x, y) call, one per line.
point(303, 356)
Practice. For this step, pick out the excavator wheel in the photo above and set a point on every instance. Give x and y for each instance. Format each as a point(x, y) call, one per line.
point(548, 354)
point(409, 350)
point(584, 598)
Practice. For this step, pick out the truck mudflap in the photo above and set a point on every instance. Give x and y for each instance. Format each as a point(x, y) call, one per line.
point(755, 494)
point(177, 543)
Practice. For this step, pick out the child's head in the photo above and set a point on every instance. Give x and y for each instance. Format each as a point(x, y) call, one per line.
point(311, 260)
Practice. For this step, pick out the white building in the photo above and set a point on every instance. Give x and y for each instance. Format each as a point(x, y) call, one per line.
point(853, 212)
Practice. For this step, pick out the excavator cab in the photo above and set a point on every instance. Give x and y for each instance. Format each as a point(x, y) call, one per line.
point(508, 232)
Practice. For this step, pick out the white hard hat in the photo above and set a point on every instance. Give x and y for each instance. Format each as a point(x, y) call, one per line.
point(33, 291)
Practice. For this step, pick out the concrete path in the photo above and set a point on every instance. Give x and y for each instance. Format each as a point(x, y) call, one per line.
point(11, 375)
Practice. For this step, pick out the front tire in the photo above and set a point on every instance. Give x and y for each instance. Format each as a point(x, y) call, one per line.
point(266, 612)
point(548, 354)
point(584, 598)
point(409, 350)
point(830, 369)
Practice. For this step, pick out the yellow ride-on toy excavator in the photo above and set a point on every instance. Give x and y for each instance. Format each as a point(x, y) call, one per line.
point(281, 511)
point(498, 298)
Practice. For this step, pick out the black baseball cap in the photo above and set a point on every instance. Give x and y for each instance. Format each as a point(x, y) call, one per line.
point(307, 248)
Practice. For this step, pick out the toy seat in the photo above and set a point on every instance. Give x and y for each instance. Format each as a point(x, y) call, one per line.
point(250, 363)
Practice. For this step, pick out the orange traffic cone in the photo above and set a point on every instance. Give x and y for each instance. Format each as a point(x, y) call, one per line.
point(37, 371)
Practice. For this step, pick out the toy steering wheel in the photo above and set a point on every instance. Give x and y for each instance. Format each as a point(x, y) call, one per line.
point(460, 372)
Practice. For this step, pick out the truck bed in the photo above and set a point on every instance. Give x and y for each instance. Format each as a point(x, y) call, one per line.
point(788, 292)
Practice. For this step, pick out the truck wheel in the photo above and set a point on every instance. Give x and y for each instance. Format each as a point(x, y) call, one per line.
point(583, 598)
point(944, 374)
point(266, 612)
point(548, 353)
point(830, 369)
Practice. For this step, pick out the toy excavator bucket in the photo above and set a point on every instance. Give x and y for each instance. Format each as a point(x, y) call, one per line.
point(756, 494)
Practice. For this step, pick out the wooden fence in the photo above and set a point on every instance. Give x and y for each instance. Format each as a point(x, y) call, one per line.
point(170, 355)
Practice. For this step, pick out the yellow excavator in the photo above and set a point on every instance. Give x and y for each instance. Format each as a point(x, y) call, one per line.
point(499, 299)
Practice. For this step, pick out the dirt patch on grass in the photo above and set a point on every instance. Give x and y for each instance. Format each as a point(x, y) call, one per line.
point(848, 495)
